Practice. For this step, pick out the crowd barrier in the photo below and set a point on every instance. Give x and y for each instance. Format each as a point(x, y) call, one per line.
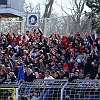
point(9, 91)
point(82, 90)
point(52, 90)
point(43, 89)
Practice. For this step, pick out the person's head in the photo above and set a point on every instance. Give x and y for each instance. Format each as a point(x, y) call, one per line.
point(3, 72)
point(60, 65)
point(35, 94)
point(47, 73)
point(81, 69)
point(11, 74)
point(3, 66)
point(56, 74)
point(19, 59)
point(62, 73)
point(52, 73)
point(99, 69)
point(27, 32)
point(96, 77)
point(27, 70)
point(76, 73)
point(87, 77)
point(9, 47)
point(32, 20)
point(63, 51)
point(63, 57)
point(76, 64)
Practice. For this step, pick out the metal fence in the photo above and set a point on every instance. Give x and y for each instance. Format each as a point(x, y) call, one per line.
point(61, 90)
point(65, 25)
point(9, 91)
point(82, 90)
point(52, 90)
point(42, 90)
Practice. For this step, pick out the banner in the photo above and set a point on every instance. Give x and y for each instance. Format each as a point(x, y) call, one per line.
point(32, 20)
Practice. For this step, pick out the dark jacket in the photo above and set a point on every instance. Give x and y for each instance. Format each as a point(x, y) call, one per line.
point(3, 78)
point(30, 77)
point(12, 79)
point(73, 78)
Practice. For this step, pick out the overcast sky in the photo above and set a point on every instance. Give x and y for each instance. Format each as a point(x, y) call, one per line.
point(56, 8)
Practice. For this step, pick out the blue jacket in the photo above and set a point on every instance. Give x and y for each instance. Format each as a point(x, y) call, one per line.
point(21, 73)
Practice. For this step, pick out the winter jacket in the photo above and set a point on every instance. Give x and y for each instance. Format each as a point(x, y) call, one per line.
point(30, 77)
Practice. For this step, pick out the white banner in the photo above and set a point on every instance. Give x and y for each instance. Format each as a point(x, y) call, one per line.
point(32, 20)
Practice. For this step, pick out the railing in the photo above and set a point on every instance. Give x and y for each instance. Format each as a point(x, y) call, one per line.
point(9, 91)
point(42, 90)
point(82, 90)
point(52, 90)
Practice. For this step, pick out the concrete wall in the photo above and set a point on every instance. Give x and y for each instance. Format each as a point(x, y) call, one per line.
point(16, 4)
point(13, 4)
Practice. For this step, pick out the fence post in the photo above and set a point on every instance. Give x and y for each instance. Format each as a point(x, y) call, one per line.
point(68, 24)
point(45, 25)
point(62, 90)
point(22, 27)
point(16, 93)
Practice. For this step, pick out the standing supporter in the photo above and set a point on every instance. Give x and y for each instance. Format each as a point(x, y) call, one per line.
point(21, 74)
point(10, 77)
point(75, 76)
point(29, 77)
point(48, 80)
point(54, 53)
point(63, 74)
point(3, 76)
point(57, 75)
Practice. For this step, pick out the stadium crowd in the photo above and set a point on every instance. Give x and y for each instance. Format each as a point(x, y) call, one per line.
point(28, 56)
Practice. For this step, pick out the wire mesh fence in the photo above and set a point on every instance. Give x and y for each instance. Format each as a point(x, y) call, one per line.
point(42, 90)
point(9, 91)
point(52, 90)
point(61, 90)
point(82, 90)
point(65, 25)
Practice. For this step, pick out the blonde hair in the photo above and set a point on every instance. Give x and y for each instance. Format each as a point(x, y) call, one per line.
point(12, 73)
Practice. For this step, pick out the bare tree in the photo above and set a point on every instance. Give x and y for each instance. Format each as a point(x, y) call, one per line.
point(76, 9)
point(30, 8)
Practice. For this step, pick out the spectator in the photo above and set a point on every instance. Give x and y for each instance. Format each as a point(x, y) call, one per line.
point(10, 77)
point(75, 76)
point(63, 55)
point(57, 75)
point(62, 74)
point(33, 95)
point(48, 80)
point(21, 73)
point(3, 76)
point(29, 77)
point(48, 76)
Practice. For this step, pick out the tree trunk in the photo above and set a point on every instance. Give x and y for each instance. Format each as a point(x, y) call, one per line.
point(48, 8)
